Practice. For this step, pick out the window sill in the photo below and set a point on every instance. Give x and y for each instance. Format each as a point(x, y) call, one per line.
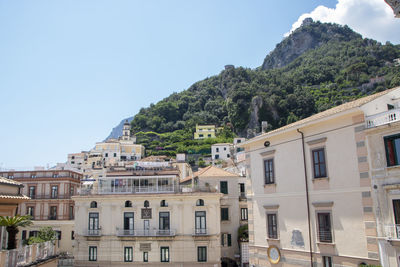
point(272, 239)
point(319, 243)
point(270, 185)
point(226, 221)
point(320, 179)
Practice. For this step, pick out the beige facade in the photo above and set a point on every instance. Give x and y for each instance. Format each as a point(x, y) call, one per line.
point(143, 216)
point(317, 207)
point(382, 138)
point(221, 151)
point(233, 203)
point(204, 132)
point(50, 202)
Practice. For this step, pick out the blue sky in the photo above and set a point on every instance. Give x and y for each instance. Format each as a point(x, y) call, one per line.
point(71, 70)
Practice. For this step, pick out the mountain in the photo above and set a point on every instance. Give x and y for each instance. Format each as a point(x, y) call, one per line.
point(318, 66)
point(117, 130)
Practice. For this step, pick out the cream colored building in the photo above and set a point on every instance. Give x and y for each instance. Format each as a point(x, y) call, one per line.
point(233, 203)
point(382, 140)
point(205, 131)
point(221, 151)
point(309, 192)
point(10, 197)
point(50, 202)
point(143, 217)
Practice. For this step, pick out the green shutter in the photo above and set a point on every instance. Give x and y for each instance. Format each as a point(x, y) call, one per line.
point(229, 240)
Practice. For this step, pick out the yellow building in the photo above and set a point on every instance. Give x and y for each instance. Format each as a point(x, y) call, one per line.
point(205, 131)
point(310, 197)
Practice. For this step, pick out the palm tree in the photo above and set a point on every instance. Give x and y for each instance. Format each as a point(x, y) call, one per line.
point(12, 224)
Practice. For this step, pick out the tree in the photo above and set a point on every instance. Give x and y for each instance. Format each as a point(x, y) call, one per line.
point(12, 224)
point(45, 234)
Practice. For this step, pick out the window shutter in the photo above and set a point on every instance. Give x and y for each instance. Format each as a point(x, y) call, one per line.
point(229, 240)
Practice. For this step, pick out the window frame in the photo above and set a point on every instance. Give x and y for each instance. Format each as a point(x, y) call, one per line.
point(244, 214)
point(164, 254)
point(325, 263)
point(225, 187)
point(201, 257)
point(386, 140)
point(227, 213)
point(92, 253)
point(324, 239)
point(128, 254)
point(269, 175)
point(145, 256)
point(319, 164)
point(272, 229)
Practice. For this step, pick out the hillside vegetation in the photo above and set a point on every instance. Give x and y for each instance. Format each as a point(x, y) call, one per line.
point(323, 65)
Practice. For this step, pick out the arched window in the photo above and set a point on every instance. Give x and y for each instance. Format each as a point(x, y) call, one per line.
point(93, 204)
point(128, 204)
point(146, 204)
point(200, 202)
point(163, 203)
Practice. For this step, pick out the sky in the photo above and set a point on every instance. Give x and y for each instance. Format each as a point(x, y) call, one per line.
point(70, 71)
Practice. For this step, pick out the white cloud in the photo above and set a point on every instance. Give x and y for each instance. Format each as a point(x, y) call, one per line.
point(371, 18)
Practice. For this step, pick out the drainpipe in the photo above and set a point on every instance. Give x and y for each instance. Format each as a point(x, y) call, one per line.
point(307, 197)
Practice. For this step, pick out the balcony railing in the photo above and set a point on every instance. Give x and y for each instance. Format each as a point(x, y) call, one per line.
point(200, 231)
point(153, 232)
point(46, 196)
point(93, 232)
point(383, 118)
point(325, 236)
point(392, 231)
point(146, 189)
point(52, 217)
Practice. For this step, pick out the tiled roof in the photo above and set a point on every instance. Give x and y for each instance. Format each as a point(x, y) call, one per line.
point(344, 107)
point(4, 180)
point(14, 196)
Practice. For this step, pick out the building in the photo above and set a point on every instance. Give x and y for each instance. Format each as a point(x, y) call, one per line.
point(395, 5)
point(382, 136)
point(205, 131)
point(221, 151)
point(141, 215)
point(77, 160)
point(233, 206)
point(309, 192)
point(50, 202)
point(10, 197)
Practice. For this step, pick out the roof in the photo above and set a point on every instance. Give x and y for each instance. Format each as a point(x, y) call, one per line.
point(342, 108)
point(222, 144)
point(4, 180)
point(2, 196)
point(210, 171)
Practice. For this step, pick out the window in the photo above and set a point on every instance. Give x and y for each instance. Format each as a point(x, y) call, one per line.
point(58, 235)
point(242, 190)
point(228, 155)
point(224, 148)
point(54, 191)
point(200, 135)
point(146, 204)
point(224, 214)
point(200, 223)
point(392, 147)
point(53, 213)
point(72, 190)
point(216, 156)
point(201, 254)
point(200, 202)
point(243, 214)
point(73, 157)
point(269, 171)
point(164, 254)
point(93, 204)
point(92, 253)
point(327, 261)
point(145, 256)
point(163, 203)
point(272, 226)
point(72, 235)
point(319, 164)
point(217, 149)
point(106, 155)
point(30, 211)
point(224, 187)
point(209, 135)
point(128, 204)
point(396, 214)
point(324, 227)
point(128, 254)
point(164, 221)
point(226, 240)
point(93, 222)
point(128, 220)
point(23, 235)
point(71, 212)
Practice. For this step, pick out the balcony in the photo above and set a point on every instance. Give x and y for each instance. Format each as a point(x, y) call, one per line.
point(52, 217)
point(242, 196)
point(50, 196)
point(93, 232)
point(200, 231)
point(392, 231)
point(383, 118)
point(140, 233)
